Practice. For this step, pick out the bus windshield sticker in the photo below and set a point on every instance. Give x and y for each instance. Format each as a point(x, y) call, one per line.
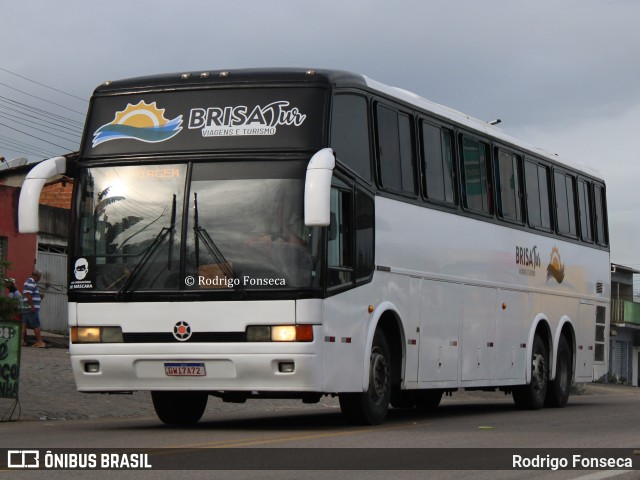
point(82, 275)
point(243, 120)
point(143, 121)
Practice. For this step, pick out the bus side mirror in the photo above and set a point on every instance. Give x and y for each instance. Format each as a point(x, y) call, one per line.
point(30, 192)
point(317, 189)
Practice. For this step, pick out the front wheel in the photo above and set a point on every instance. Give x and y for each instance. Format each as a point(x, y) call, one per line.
point(370, 407)
point(179, 408)
point(532, 396)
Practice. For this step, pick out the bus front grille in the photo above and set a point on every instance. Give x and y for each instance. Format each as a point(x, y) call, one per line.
point(201, 337)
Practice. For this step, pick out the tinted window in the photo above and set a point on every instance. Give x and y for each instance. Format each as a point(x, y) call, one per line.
point(565, 204)
point(585, 204)
point(350, 133)
point(537, 188)
point(508, 186)
point(437, 153)
point(364, 235)
point(339, 248)
point(395, 150)
point(475, 168)
point(406, 153)
point(602, 236)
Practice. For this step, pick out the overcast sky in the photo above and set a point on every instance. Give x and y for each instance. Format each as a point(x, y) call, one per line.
point(563, 75)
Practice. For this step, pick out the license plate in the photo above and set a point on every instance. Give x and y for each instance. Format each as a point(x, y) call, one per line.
point(184, 369)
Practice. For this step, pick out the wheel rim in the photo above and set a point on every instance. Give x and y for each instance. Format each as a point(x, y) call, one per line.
point(539, 372)
point(379, 377)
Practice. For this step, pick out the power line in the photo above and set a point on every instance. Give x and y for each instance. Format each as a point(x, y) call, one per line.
point(38, 121)
point(40, 98)
point(38, 138)
point(17, 143)
point(38, 129)
point(16, 113)
point(43, 85)
point(40, 113)
point(23, 151)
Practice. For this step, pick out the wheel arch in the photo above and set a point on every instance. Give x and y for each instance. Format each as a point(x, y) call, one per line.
point(387, 318)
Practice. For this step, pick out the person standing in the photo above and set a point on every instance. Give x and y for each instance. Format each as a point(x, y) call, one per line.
point(32, 319)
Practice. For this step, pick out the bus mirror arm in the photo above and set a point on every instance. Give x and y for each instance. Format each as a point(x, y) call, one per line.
point(30, 192)
point(317, 189)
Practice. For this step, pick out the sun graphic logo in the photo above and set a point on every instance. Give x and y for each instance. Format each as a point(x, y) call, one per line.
point(182, 331)
point(143, 121)
point(555, 269)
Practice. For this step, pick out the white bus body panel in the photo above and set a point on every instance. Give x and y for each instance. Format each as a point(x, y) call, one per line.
point(480, 304)
point(229, 366)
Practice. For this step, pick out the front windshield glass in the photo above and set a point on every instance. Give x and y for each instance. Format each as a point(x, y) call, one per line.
point(126, 213)
point(244, 228)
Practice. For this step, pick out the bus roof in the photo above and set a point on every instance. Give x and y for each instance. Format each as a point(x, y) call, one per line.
point(338, 78)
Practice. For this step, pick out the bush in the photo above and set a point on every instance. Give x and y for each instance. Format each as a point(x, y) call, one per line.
point(9, 307)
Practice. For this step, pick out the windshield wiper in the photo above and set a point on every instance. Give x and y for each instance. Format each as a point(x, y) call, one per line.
point(148, 253)
point(201, 235)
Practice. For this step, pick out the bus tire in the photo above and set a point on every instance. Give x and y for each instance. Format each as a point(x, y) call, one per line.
point(560, 387)
point(429, 399)
point(179, 408)
point(370, 407)
point(532, 396)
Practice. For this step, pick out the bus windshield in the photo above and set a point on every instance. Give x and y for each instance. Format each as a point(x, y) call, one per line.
point(216, 226)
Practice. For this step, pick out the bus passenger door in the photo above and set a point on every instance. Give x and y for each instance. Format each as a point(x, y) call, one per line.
point(439, 332)
point(478, 332)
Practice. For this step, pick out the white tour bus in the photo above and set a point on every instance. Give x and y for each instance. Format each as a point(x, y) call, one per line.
point(299, 233)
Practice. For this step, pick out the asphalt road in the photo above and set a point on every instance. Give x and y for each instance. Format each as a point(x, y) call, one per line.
point(54, 415)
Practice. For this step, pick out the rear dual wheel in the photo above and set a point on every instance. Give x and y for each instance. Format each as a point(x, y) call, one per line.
point(560, 387)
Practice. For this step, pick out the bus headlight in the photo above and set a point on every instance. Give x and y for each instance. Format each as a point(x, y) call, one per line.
point(96, 335)
point(280, 333)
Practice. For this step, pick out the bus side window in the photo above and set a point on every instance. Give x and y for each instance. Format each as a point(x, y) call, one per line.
point(602, 237)
point(508, 186)
point(340, 244)
point(437, 153)
point(364, 235)
point(475, 174)
point(537, 186)
point(350, 133)
point(395, 150)
point(585, 203)
point(565, 204)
